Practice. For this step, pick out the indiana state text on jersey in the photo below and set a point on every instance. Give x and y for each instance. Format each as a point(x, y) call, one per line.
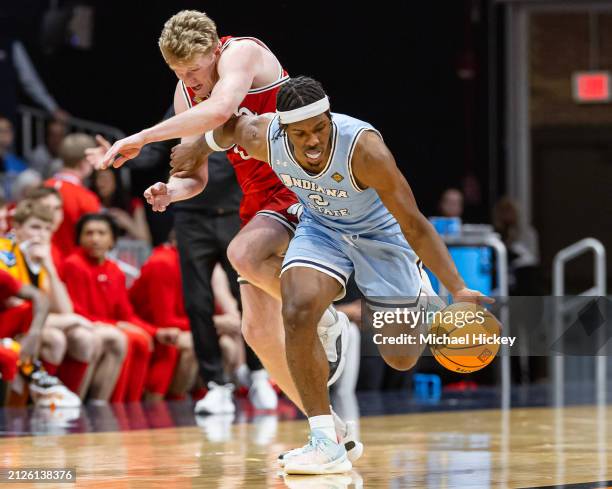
point(318, 201)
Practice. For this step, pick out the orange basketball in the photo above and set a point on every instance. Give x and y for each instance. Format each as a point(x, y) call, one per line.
point(464, 337)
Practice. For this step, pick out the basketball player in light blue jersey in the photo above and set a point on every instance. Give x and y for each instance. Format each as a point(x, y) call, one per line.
point(359, 215)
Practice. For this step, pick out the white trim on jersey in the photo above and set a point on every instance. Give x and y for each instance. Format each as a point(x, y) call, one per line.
point(350, 156)
point(277, 216)
point(268, 140)
point(281, 78)
point(320, 265)
point(332, 153)
point(186, 95)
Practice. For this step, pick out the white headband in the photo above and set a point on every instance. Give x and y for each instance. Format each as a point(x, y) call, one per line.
point(303, 113)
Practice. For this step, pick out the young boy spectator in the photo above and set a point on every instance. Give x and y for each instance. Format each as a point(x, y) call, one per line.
point(77, 199)
point(157, 297)
point(27, 257)
point(97, 287)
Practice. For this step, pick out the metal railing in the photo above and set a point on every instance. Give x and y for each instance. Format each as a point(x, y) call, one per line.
point(493, 241)
point(33, 123)
point(599, 289)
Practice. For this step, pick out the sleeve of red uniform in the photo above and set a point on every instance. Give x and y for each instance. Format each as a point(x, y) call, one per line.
point(157, 285)
point(77, 283)
point(125, 311)
point(9, 286)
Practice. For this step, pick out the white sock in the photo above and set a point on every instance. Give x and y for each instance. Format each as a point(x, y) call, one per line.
point(329, 317)
point(339, 425)
point(324, 424)
point(260, 374)
point(243, 375)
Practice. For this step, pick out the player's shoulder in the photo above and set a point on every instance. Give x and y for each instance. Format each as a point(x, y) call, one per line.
point(240, 49)
point(231, 44)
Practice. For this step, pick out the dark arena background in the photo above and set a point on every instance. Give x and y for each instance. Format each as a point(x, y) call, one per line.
point(499, 115)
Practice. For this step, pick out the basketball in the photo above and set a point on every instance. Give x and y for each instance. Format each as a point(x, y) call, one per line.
point(465, 337)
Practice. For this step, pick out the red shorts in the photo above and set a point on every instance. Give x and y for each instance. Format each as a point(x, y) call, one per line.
point(15, 320)
point(273, 203)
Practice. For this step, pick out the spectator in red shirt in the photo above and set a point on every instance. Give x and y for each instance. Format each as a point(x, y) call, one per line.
point(31, 321)
point(157, 297)
point(77, 199)
point(98, 290)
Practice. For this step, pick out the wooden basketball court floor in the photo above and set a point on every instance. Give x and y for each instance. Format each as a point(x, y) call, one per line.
point(484, 448)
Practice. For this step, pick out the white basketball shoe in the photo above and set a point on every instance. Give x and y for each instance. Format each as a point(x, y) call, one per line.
point(350, 440)
point(218, 400)
point(320, 456)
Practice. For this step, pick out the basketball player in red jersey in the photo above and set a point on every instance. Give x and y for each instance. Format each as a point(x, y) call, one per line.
point(217, 79)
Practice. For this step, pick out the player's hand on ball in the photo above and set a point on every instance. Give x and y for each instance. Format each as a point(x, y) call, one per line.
point(469, 295)
point(186, 158)
point(158, 197)
point(123, 150)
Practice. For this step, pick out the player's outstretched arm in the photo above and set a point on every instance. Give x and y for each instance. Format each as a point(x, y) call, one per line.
point(161, 195)
point(237, 70)
point(248, 132)
point(374, 166)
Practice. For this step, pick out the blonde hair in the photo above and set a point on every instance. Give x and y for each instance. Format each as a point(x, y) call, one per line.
point(27, 209)
point(186, 35)
point(72, 149)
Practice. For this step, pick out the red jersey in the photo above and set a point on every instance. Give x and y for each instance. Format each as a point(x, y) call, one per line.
point(77, 201)
point(98, 291)
point(157, 295)
point(252, 175)
point(9, 287)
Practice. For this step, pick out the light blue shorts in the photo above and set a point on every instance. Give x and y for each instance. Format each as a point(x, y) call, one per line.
point(384, 264)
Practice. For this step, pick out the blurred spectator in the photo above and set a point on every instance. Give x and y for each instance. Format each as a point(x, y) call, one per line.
point(521, 240)
point(27, 257)
point(25, 322)
point(97, 287)
point(25, 181)
point(45, 158)
point(10, 164)
point(451, 203)
point(16, 67)
point(77, 199)
point(157, 298)
point(113, 342)
point(4, 227)
point(128, 212)
point(52, 199)
point(227, 320)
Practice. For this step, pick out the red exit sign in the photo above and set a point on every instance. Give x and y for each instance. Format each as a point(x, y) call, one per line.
point(591, 86)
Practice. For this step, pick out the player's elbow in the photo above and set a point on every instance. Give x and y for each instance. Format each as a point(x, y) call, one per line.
point(415, 225)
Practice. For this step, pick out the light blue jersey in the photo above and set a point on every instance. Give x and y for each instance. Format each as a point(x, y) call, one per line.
point(332, 197)
point(344, 228)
